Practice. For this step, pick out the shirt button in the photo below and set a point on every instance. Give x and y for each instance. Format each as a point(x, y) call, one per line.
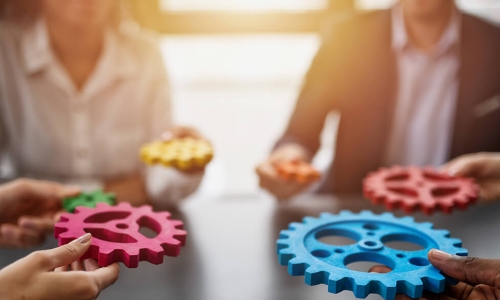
point(82, 153)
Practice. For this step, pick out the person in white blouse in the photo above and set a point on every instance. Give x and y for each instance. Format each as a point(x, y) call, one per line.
point(80, 92)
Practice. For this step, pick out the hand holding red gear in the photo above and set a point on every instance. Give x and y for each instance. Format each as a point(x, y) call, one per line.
point(116, 236)
point(414, 188)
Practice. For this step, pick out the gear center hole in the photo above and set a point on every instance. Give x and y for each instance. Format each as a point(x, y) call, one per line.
point(122, 226)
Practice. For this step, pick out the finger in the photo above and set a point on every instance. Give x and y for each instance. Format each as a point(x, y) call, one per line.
point(66, 254)
point(46, 190)
point(490, 189)
point(464, 166)
point(77, 265)
point(14, 236)
point(90, 265)
point(470, 270)
point(37, 224)
point(106, 276)
point(61, 269)
point(380, 269)
point(57, 216)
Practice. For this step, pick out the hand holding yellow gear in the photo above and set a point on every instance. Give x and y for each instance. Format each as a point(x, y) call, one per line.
point(184, 154)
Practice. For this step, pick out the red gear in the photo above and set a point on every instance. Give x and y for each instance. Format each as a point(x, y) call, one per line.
point(116, 236)
point(414, 188)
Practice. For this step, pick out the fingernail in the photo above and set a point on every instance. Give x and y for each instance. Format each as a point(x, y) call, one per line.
point(83, 239)
point(440, 255)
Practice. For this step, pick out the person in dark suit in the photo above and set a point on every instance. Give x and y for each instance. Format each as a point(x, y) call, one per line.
point(418, 84)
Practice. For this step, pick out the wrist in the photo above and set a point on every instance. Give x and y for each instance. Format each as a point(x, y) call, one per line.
point(293, 151)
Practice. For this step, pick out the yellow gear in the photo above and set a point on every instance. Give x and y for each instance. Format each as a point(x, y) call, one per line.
point(184, 154)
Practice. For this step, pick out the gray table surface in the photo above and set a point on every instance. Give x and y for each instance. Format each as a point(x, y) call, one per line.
point(230, 253)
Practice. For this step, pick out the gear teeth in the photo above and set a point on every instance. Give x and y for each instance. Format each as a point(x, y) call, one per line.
point(120, 205)
point(284, 256)
point(461, 252)
point(102, 206)
point(294, 250)
point(64, 217)
point(177, 224)
point(81, 209)
point(296, 267)
point(325, 215)
point(165, 215)
point(427, 225)
point(366, 213)
point(434, 284)
point(314, 276)
point(442, 232)
point(345, 213)
point(412, 287)
point(309, 220)
point(294, 226)
point(285, 234)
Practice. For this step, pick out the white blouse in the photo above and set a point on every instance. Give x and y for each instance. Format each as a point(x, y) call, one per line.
point(51, 130)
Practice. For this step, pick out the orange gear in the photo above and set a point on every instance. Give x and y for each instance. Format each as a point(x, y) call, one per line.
point(297, 171)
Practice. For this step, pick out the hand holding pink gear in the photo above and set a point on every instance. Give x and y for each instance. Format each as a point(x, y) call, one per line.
point(116, 236)
point(414, 188)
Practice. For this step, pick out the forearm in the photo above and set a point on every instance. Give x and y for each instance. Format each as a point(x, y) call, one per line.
point(167, 186)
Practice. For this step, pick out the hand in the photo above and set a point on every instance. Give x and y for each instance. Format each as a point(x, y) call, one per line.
point(44, 275)
point(478, 278)
point(269, 178)
point(483, 167)
point(27, 209)
point(180, 132)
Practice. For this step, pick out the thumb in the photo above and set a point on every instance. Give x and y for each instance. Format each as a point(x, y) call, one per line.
point(470, 270)
point(68, 253)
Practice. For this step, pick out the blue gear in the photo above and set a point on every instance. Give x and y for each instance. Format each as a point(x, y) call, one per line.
point(299, 248)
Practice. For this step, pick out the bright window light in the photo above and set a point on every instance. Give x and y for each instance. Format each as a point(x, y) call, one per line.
point(243, 5)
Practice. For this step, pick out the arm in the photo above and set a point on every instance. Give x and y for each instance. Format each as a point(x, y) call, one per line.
point(314, 103)
point(301, 139)
point(166, 186)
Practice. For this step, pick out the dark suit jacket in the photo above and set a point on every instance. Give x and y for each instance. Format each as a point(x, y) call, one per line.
point(354, 72)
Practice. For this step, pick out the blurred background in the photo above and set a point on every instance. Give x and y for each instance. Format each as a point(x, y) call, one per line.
point(236, 67)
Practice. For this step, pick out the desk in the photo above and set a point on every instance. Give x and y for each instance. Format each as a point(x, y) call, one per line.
point(230, 253)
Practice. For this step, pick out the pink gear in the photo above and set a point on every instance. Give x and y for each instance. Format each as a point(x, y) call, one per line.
point(414, 188)
point(116, 236)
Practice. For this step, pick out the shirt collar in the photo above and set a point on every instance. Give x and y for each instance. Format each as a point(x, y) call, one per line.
point(38, 55)
point(400, 39)
point(35, 47)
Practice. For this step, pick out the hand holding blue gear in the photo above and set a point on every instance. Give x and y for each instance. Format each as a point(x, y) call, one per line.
point(299, 248)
